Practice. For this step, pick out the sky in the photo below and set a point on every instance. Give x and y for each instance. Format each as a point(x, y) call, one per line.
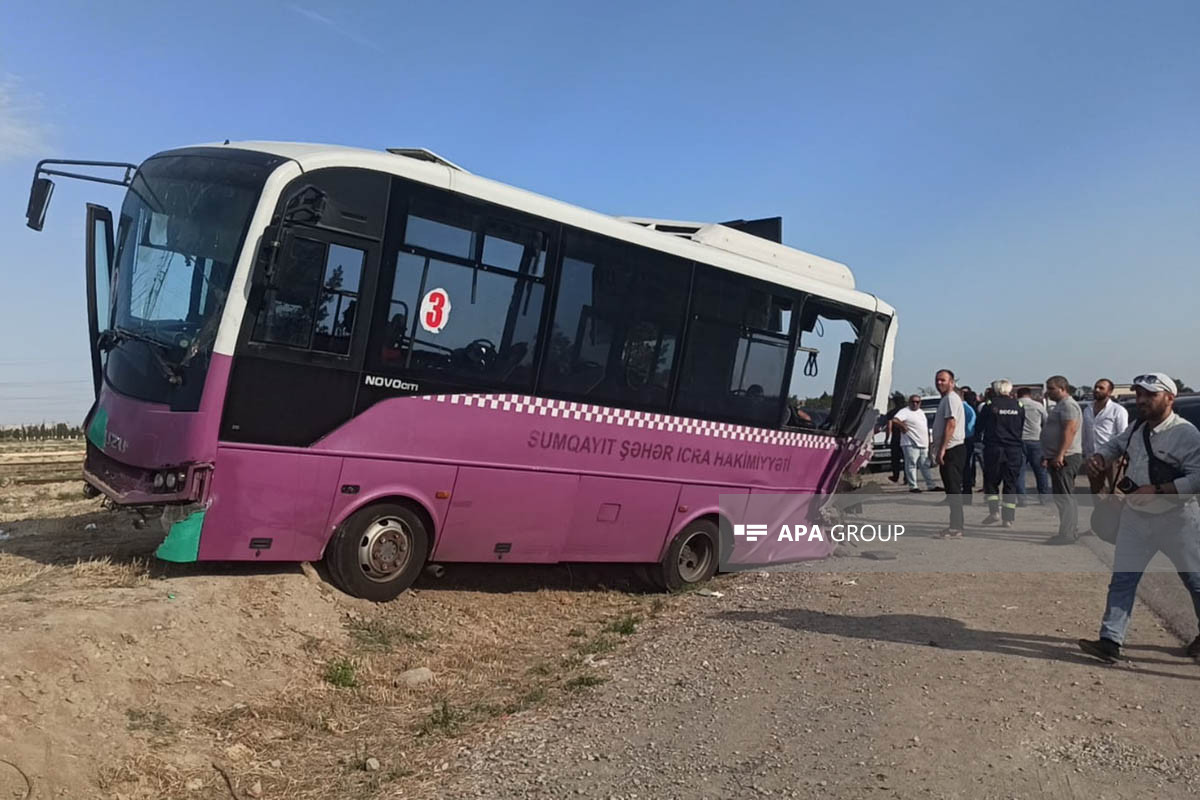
point(1021, 180)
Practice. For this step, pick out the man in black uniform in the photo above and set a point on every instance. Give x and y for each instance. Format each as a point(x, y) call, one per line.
point(1001, 421)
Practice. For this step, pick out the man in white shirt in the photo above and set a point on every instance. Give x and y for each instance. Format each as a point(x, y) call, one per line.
point(912, 421)
point(1163, 479)
point(1102, 419)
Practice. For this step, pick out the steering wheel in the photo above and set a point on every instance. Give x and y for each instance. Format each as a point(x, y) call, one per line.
point(481, 354)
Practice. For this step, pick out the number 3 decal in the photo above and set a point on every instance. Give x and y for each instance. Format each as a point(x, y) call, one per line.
point(435, 310)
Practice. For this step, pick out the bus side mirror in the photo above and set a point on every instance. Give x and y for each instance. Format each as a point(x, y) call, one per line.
point(39, 200)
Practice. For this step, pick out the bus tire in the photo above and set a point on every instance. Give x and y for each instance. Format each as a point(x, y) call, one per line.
point(690, 560)
point(378, 552)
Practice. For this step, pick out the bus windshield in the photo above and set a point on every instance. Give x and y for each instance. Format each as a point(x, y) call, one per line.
point(181, 229)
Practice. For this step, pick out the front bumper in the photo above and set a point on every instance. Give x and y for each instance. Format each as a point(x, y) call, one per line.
point(130, 485)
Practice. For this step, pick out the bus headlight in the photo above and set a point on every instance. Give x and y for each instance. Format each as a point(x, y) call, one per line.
point(158, 480)
point(170, 481)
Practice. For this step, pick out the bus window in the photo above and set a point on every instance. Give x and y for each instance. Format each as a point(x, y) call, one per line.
point(616, 324)
point(312, 299)
point(439, 237)
point(485, 278)
point(339, 299)
point(828, 339)
point(737, 351)
point(515, 249)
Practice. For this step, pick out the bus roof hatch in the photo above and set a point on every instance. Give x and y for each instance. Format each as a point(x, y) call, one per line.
point(421, 154)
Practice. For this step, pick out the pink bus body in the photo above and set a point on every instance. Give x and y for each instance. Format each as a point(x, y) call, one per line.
point(488, 475)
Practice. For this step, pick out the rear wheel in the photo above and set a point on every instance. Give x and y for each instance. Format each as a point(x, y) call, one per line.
point(690, 560)
point(378, 552)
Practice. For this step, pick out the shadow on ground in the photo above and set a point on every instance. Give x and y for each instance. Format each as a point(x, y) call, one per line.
point(947, 633)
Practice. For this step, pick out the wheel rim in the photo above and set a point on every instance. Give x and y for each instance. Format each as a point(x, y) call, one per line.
point(695, 558)
point(385, 549)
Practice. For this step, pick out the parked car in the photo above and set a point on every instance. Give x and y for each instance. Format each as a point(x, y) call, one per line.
point(1186, 406)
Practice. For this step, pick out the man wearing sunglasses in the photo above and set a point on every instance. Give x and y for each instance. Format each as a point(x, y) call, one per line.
point(914, 425)
point(1161, 481)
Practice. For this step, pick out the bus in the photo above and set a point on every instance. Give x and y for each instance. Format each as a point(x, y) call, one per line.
point(378, 359)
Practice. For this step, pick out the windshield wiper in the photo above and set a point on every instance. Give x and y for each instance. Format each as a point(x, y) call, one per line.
point(114, 336)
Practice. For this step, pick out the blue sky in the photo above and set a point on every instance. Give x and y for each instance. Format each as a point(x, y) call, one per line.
point(1021, 180)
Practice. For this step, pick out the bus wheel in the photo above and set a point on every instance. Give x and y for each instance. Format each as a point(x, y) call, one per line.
point(378, 552)
point(691, 559)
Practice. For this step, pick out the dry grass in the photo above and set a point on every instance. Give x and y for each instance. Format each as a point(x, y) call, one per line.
point(19, 574)
point(151, 775)
point(104, 573)
point(491, 657)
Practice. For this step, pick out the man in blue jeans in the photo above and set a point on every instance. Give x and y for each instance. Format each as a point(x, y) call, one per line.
point(1035, 416)
point(1161, 512)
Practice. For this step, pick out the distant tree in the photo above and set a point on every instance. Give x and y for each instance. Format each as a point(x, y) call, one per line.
point(1181, 386)
point(925, 391)
point(824, 401)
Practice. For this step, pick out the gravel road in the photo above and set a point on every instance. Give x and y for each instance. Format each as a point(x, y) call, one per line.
point(859, 678)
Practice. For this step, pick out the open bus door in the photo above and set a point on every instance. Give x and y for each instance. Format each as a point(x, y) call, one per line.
point(99, 267)
point(99, 256)
point(858, 374)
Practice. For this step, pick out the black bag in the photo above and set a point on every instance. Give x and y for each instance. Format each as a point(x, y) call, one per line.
point(1106, 513)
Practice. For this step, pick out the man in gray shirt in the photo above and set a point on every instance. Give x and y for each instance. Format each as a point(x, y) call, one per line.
point(1031, 443)
point(948, 450)
point(1062, 455)
point(1160, 512)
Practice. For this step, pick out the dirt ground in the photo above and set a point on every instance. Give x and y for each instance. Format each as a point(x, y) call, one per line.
point(124, 677)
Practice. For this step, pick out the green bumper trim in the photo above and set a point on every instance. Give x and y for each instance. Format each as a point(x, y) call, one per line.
point(182, 544)
point(98, 429)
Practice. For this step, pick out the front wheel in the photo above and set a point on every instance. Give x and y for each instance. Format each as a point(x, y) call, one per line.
point(378, 552)
point(690, 560)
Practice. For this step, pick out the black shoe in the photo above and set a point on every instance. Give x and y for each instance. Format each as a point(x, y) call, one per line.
point(990, 519)
point(938, 489)
point(1061, 540)
point(893, 478)
point(1104, 649)
point(914, 490)
point(1193, 649)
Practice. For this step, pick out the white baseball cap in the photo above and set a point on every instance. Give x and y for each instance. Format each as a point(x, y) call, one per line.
point(1156, 382)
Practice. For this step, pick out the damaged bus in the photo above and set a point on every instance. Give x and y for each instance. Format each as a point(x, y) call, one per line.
point(379, 359)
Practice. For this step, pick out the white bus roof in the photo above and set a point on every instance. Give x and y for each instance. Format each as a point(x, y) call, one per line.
point(710, 243)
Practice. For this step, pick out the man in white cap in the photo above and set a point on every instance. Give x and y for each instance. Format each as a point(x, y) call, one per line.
point(1161, 514)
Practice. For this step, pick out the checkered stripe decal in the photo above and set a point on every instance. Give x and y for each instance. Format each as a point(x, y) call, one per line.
point(862, 456)
point(561, 409)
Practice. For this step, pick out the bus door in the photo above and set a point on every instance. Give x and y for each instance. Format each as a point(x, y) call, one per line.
point(297, 366)
point(99, 272)
point(300, 353)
